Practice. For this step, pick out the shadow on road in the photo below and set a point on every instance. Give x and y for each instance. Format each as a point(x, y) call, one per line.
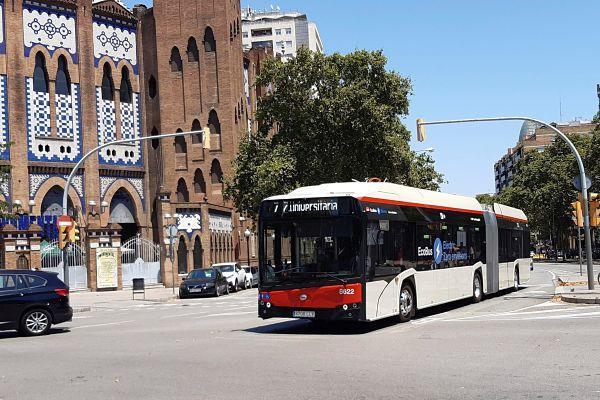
point(309, 327)
point(11, 334)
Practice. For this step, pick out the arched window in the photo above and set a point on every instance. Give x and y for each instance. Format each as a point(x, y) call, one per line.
point(192, 50)
point(180, 144)
point(108, 87)
point(213, 123)
point(210, 44)
point(230, 31)
point(182, 257)
point(152, 90)
point(197, 253)
point(199, 183)
point(155, 142)
point(40, 74)
point(63, 80)
point(196, 139)
point(216, 173)
point(125, 90)
point(183, 196)
point(176, 62)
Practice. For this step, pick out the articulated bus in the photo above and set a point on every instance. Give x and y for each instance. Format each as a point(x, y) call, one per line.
point(366, 251)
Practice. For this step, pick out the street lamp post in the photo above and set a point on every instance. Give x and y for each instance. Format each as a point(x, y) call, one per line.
point(586, 216)
point(248, 233)
point(205, 139)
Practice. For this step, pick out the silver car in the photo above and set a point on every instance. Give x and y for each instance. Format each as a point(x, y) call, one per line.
point(252, 273)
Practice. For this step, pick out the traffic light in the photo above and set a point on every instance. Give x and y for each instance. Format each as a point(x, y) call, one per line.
point(206, 138)
point(421, 135)
point(594, 210)
point(74, 234)
point(63, 237)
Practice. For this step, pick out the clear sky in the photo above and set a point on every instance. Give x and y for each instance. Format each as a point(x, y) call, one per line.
point(473, 58)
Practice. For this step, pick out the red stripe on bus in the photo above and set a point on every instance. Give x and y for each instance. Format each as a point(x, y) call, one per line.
point(317, 297)
point(513, 219)
point(408, 204)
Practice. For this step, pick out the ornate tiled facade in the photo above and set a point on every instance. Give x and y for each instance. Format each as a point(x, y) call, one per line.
point(50, 26)
point(116, 41)
point(4, 131)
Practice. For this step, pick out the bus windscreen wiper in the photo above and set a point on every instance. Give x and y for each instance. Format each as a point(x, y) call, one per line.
point(286, 270)
point(344, 281)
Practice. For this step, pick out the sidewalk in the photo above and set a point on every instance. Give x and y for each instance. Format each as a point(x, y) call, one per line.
point(88, 301)
point(574, 289)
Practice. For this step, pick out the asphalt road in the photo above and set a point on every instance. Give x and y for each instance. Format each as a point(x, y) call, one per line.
point(519, 345)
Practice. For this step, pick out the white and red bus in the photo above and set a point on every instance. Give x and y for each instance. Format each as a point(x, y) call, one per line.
point(366, 251)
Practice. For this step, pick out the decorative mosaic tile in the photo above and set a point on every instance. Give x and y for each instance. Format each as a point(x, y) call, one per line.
point(117, 42)
point(4, 132)
point(52, 28)
point(189, 222)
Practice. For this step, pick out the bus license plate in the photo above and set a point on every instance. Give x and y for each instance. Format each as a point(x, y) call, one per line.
point(303, 314)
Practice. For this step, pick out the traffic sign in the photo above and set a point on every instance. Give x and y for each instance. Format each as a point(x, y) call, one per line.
point(577, 182)
point(64, 221)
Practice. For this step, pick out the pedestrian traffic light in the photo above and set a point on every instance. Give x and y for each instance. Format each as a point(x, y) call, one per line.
point(206, 138)
point(577, 214)
point(594, 210)
point(74, 234)
point(421, 135)
point(63, 237)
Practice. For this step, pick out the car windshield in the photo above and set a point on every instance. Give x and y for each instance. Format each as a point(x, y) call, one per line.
point(201, 274)
point(226, 268)
point(311, 250)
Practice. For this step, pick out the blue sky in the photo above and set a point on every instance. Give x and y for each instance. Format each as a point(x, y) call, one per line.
point(473, 58)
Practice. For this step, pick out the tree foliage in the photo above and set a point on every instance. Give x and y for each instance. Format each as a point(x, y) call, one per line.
point(543, 185)
point(329, 119)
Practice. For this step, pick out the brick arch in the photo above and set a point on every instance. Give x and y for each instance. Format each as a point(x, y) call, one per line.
point(73, 69)
point(100, 70)
point(31, 59)
point(133, 193)
point(47, 186)
point(133, 78)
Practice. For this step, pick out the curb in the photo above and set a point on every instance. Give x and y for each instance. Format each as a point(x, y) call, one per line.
point(580, 300)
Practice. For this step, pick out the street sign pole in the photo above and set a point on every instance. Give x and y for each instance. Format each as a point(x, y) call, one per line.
point(580, 254)
point(584, 193)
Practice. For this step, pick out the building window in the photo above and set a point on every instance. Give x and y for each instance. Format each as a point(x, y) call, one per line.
point(210, 45)
point(180, 144)
point(231, 33)
point(183, 196)
point(155, 142)
point(196, 139)
point(125, 90)
point(108, 87)
point(182, 257)
point(216, 173)
point(192, 50)
point(152, 87)
point(245, 34)
point(278, 31)
point(63, 80)
point(262, 32)
point(199, 183)
point(175, 61)
point(40, 74)
point(213, 123)
point(288, 31)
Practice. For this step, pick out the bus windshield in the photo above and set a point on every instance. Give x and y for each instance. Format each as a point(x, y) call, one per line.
point(310, 250)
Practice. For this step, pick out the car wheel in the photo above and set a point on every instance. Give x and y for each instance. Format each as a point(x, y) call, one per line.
point(227, 288)
point(217, 293)
point(236, 286)
point(407, 303)
point(181, 296)
point(477, 288)
point(35, 323)
point(246, 285)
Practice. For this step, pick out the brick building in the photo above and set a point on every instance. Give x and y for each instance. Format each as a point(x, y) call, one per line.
point(75, 74)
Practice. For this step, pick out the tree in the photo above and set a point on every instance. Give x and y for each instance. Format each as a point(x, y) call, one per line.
point(543, 188)
point(329, 119)
point(486, 198)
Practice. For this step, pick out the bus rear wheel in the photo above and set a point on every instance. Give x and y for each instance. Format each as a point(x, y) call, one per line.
point(477, 288)
point(516, 280)
point(407, 302)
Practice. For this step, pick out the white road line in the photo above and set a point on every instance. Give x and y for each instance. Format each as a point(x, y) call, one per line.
point(180, 315)
point(100, 325)
point(226, 314)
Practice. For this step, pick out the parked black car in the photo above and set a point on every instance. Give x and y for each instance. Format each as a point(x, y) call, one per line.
point(32, 301)
point(202, 282)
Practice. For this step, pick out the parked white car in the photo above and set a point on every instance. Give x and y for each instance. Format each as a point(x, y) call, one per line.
point(235, 275)
point(251, 274)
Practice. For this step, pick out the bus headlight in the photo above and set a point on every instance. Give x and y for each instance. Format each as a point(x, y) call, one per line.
point(345, 307)
point(268, 305)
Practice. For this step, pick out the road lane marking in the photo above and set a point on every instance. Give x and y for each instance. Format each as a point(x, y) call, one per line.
point(225, 314)
point(101, 325)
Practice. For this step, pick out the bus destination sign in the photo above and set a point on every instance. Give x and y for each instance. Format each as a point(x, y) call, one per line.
point(310, 207)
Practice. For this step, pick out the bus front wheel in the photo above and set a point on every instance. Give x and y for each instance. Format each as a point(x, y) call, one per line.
point(477, 288)
point(407, 302)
